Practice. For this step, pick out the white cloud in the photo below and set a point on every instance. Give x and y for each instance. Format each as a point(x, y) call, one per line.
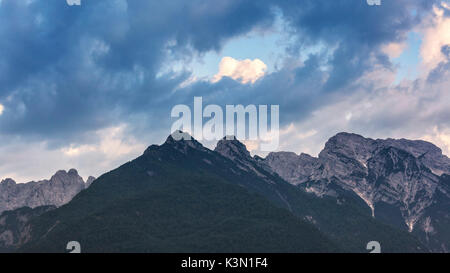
point(110, 148)
point(348, 116)
point(73, 2)
point(394, 50)
point(244, 71)
point(111, 145)
point(436, 34)
point(412, 110)
point(252, 145)
point(441, 138)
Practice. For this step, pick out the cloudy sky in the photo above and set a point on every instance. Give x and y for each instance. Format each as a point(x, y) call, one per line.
point(91, 86)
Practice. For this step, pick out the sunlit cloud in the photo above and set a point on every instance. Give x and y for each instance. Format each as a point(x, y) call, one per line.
point(441, 138)
point(112, 143)
point(244, 71)
point(36, 160)
point(436, 34)
point(394, 50)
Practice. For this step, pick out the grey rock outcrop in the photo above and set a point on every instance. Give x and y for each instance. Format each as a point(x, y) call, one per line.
point(89, 181)
point(293, 168)
point(236, 151)
point(57, 191)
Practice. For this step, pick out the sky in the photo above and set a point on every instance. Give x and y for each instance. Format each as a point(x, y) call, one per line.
point(90, 86)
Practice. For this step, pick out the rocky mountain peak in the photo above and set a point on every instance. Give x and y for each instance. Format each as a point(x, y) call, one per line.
point(428, 153)
point(179, 136)
point(294, 168)
point(361, 149)
point(60, 173)
point(179, 141)
point(72, 172)
point(182, 142)
point(57, 191)
point(8, 182)
point(70, 177)
point(304, 156)
point(232, 148)
point(89, 181)
point(348, 141)
point(399, 180)
point(288, 156)
point(415, 147)
point(344, 139)
point(350, 146)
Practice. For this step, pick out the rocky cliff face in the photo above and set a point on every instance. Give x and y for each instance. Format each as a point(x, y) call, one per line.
point(89, 181)
point(294, 169)
point(57, 191)
point(236, 151)
point(14, 228)
point(400, 180)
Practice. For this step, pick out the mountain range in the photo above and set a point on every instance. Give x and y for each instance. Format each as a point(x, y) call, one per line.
point(404, 183)
point(183, 197)
point(56, 191)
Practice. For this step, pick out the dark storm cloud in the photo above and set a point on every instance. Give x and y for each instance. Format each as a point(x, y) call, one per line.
point(351, 34)
point(67, 70)
point(356, 30)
